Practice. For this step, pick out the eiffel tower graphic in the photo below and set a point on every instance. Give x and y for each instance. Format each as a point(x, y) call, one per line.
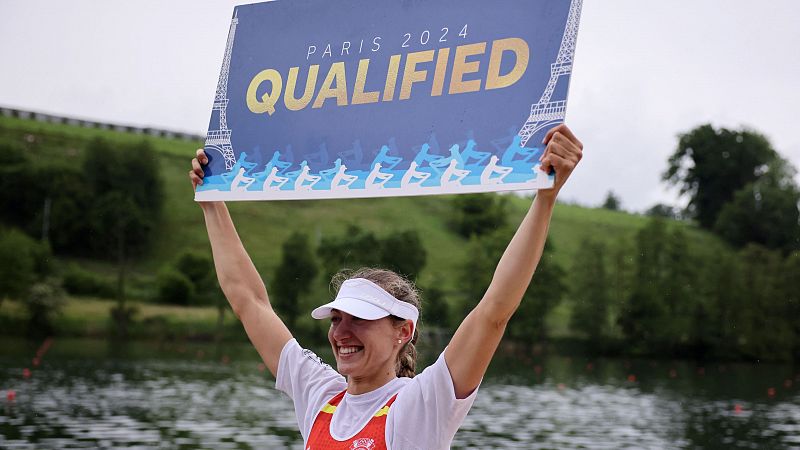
point(544, 112)
point(220, 139)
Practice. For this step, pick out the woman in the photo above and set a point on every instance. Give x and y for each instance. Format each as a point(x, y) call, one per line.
point(373, 400)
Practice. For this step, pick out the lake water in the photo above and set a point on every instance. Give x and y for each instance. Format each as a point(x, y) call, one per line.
point(93, 394)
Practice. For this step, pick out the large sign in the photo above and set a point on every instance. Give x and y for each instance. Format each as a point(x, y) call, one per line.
point(354, 98)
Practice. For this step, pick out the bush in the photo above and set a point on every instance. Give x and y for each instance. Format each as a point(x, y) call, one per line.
point(44, 300)
point(189, 281)
point(196, 267)
point(25, 260)
point(77, 281)
point(175, 288)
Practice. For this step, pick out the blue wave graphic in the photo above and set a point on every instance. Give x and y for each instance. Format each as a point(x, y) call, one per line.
point(463, 164)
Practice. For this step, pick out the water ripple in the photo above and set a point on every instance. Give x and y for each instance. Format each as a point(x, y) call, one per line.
point(158, 403)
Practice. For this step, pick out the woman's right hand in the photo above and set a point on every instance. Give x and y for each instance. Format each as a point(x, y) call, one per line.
point(196, 174)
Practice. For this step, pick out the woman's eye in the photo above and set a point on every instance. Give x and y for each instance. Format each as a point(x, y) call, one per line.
point(335, 319)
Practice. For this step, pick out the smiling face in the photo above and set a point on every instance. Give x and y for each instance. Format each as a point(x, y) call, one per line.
point(365, 350)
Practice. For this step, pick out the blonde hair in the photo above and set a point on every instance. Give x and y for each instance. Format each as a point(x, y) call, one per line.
point(400, 288)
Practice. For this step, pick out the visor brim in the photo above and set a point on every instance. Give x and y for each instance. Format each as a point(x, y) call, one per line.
point(353, 306)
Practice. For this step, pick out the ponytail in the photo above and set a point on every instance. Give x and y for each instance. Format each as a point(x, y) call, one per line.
point(407, 359)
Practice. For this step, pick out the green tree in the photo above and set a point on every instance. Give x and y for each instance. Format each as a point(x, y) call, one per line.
point(590, 291)
point(611, 202)
point(27, 185)
point(664, 211)
point(620, 275)
point(69, 198)
point(764, 329)
point(678, 289)
point(790, 291)
point(356, 247)
point(26, 262)
point(479, 214)
point(542, 295)
point(709, 165)
point(17, 272)
point(475, 274)
point(404, 253)
point(664, 297)
point(126, 208)
point(293, 277)
point(719, 330)
point(436, 310)
point(643, 314)
point(763, 212)
point(127, 175)
point(117, 215)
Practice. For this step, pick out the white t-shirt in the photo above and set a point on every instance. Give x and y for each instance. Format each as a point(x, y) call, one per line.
point(425, 415)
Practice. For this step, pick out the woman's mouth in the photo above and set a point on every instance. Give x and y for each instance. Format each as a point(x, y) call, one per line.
point(349, 350)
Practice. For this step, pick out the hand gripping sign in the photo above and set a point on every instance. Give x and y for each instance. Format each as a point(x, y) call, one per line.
point(357, 98)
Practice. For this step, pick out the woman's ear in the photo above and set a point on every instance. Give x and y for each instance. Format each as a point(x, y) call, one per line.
point(405, 331)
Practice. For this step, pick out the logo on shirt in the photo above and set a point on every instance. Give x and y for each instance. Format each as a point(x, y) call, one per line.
point(363, 444)
point(313, 357)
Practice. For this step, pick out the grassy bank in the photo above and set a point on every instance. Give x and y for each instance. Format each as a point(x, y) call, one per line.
point(91, 317)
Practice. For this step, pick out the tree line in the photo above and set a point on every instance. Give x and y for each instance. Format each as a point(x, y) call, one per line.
point(667, 295)
point(740, 299)
point(658, 293)
point(108, 208)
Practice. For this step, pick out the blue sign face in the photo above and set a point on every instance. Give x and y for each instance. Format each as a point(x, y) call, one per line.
point(320, 99)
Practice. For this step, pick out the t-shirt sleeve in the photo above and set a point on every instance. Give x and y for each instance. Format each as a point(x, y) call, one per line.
point(308, 381)
point(427, 414)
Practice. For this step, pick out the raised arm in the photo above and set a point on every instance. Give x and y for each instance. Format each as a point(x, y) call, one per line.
point(239, 280)
point(476, 339)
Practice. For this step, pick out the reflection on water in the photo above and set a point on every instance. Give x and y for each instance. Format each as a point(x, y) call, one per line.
point(88, 395)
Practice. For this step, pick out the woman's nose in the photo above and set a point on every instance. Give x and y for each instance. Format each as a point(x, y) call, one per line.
point(342, 329)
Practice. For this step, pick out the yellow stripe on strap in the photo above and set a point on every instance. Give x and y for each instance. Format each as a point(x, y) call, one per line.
point(382, 412)
point(328, 408)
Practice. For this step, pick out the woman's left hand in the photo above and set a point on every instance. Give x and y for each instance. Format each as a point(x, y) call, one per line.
point(562, 154)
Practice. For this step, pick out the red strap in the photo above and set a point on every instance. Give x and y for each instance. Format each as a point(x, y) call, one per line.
point(371, 437)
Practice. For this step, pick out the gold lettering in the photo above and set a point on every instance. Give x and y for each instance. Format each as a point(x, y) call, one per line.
point(295, 104)
point(520, 48)
point(268, 100)
point(359, 96)
point(439, 73)
point(461, 67)
point(411, 75)
point(391, 78)
point(336, 73)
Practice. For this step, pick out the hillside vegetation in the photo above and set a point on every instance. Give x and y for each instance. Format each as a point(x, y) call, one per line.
point(264, 226)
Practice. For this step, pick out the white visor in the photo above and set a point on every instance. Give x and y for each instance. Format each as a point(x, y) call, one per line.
point(364, 299)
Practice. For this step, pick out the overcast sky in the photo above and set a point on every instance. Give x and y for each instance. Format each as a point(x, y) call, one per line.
point(644, 72)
